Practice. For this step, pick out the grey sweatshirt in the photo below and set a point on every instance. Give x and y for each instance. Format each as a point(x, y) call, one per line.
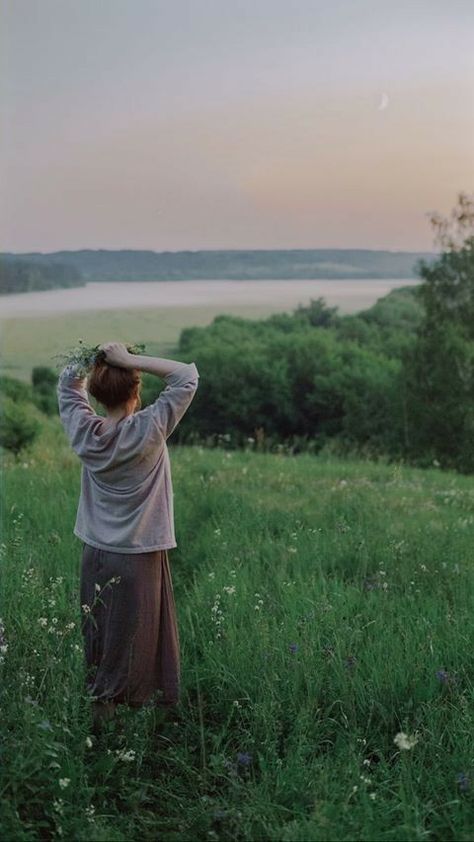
point(126, 499)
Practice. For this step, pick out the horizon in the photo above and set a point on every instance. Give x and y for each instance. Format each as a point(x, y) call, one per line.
point(256, 127)
point(193, 251)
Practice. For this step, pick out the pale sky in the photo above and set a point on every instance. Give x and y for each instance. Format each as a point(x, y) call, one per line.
point(214, 124)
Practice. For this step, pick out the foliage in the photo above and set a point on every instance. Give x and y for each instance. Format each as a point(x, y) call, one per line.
point(15, 389)
point(26, 274)
point(439, 368)
point(44, 381)
point(18, 425)
point(84, 356)
point(304, 378)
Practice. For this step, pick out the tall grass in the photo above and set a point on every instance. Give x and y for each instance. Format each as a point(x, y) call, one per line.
point(324, 606)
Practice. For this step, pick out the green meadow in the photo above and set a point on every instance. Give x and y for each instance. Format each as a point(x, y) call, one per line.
point(30, 341)
point(324, 607)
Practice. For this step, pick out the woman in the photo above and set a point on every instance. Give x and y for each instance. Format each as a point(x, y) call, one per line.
point(125, 521)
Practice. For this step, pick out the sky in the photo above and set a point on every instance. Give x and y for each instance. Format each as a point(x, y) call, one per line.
point(209, 124)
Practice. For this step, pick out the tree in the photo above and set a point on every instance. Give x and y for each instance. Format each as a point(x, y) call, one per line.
point(439, 369)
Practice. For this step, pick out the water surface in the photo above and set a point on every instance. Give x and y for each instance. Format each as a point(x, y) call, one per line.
point(349, 296)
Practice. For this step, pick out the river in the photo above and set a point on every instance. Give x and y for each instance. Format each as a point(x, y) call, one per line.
point(348, 295)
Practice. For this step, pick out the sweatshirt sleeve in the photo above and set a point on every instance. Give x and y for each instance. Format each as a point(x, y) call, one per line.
point(174, 400)
point(75, 410)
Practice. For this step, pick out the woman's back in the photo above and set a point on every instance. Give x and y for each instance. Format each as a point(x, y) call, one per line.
point(126, 500)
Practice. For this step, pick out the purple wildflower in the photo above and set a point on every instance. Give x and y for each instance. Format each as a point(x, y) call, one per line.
point(244, 759)
point(444, 677)
point(463, 781)
point(293, 648)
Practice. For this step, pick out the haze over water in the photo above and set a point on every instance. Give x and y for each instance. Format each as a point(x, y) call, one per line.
point(348, 295)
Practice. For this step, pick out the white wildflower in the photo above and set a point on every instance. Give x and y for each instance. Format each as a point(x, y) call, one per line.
point(126, 756)
point(404, 741)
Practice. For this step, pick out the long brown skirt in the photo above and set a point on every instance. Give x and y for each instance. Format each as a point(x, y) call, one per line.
point(129, 627)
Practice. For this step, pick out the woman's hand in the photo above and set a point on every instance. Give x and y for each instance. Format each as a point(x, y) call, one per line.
point(116, 354)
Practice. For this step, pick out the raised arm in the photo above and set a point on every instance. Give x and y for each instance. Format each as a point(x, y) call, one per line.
point(75, 410)
point(181, 379)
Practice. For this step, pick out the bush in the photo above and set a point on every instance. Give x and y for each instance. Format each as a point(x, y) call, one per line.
point(43, 377)
point(18, 425)
point(44, 382)
point(15, 389)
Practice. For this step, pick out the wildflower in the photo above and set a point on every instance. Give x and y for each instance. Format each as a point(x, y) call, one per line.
point(126, 756)
point(64, 782)
point(97, 587)
point(229, 589)
point(88, 742)
point(211, 575)
point(58, 806)
point(71, 625)
point(86, 608)
point(463, 781)
point(372, 795)
point(293, 648)
point(42, 621)
point(442, 676)
point(89, 811)
point(404, 741)
point(244, 759)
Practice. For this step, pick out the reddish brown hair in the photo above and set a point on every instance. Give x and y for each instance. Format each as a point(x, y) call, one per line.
point(112, 385)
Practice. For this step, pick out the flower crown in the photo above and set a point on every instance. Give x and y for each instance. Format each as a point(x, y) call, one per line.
point(84, 357)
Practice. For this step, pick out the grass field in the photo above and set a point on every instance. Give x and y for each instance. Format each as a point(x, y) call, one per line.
point(324, 607)
point(30, 341)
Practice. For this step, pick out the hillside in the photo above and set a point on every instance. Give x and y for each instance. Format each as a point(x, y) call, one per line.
point(131, 265)
point(324, 607)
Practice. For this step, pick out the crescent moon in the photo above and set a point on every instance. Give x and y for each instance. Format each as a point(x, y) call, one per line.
point(383, 102)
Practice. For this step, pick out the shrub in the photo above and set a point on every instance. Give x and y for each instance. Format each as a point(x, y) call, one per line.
point(44, 381)
point(18, 425)
point(15, 389)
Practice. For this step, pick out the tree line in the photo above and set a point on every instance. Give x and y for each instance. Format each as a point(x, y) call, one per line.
point(18, 275)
